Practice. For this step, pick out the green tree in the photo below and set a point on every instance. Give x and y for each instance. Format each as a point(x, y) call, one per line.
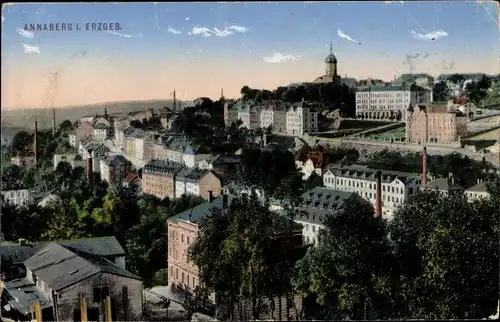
point(478, 90)
point(136, 124)
point(493, 95)
point(348, 272)
point(22, 141)
point(27, 222)
point(13, 171)
point(237, 256)
point(63, 223)
point(66, 126)
point(448, 250)
point(441, 92)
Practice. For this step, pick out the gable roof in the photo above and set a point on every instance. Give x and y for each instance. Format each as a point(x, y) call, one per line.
point(101, 246)
point(479, 187)
point(115, 160)
point(61, 266)
point(443, 184)
point(359, 171)
point(195, 214)
point(131, 177)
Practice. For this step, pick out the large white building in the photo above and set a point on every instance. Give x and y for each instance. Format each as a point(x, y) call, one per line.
point(17, 197)
point(396, 188)
point(315, 205)
point(390, 102)
point(293, 119)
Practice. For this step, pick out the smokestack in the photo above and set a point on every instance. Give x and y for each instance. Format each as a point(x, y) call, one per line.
point(54, 122)
point(175, 103)
point(210, 196)
point(90, 169)
point(424, 167)
point(378, 201)
point(35, 141)
point(224, 200)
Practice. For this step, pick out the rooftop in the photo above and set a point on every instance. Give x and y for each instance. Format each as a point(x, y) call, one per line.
point(61, 266)
point(369, 174)
point(444, 184)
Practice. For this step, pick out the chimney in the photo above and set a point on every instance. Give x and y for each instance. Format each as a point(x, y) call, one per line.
point(378, 200)
point(35, 141)
point(210, 196)
point(224, 201)
point(90, 169)
point(54, 122)
point(424, 166)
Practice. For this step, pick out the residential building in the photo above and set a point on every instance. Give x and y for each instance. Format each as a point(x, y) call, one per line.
point(84, 131)
point(63, 272)
point(250, 117)
point(158, 178)
point(143, 145)
point(121, 134)
point(75, 160)
point(424, 80)
point(390, 102)
point(159, 150)
point(396, 187)
point(9, 183)
point(224, 166)
point(197, 182)
point(17, 197)
point(133, 179)
point(175, 148)
point(301, 119)
point(113, 168)
point(47, 200)
point(445, 186)
point(121, 122)
point(101, 132)
point(311, 162)
point(94, 151)
point(24, 159)
point(435, 124)
point(130, 145)
point(478, 191)
point(315, 205)
point(194, 154)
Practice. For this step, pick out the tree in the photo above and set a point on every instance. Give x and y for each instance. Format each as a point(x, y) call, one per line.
point(22, 141)
point(493, 95)
point(478, 90)
point(348, 272)
point(441, 92)
point(448, 250)
point(66, 126)
point(136, 124)
point(236, 255)
point(64, 223)
point(28, 222)
point(13, 171)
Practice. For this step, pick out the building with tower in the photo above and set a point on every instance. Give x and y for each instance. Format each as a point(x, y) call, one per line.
point(331, 75)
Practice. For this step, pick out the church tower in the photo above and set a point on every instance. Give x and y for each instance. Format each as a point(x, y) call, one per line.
point(331, 64)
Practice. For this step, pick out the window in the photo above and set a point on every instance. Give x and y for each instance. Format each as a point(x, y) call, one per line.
point(182, 237)
point(188, 241)
point(33, 277)
point(100, 293)
point(182, 278)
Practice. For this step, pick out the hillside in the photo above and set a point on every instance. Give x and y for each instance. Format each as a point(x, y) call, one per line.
point(12, 118)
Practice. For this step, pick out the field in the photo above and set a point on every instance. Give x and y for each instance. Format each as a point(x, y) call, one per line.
point(23, 118)
point(396, 134)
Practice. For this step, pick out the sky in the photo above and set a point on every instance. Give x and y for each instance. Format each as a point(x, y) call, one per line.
point(200, 48)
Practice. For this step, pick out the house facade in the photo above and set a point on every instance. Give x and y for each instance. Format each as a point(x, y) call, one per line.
point(158, 178)
point(113, 168)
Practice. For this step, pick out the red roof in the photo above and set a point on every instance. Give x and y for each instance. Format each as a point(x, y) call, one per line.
point(131, 177)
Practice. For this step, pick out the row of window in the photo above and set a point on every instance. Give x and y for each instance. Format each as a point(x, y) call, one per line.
point(360, 184)
point(190, 281)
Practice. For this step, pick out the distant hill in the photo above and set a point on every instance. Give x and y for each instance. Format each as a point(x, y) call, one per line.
point(24, 118)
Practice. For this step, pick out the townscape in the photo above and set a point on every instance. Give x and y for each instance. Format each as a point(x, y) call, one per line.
point(333, 198)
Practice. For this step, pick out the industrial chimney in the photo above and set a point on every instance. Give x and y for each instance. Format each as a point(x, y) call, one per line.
point(90, 169)
point(35, 141)
point(54, 122)
point(378, 196)
point(424, 167)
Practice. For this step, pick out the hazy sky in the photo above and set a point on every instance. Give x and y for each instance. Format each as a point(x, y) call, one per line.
point(199, 48)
